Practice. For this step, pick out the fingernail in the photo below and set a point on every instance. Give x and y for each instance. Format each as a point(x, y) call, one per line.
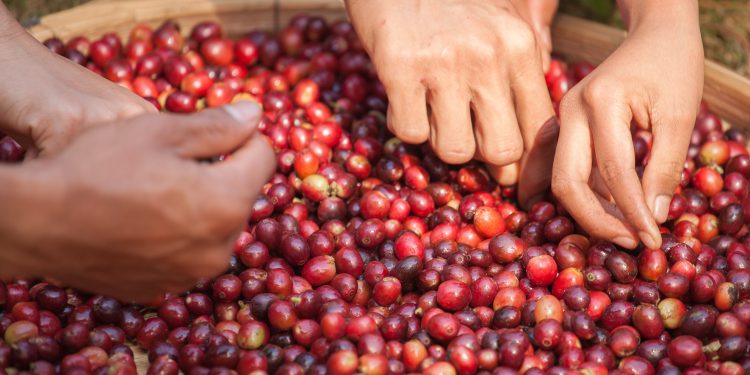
point(661, 207)
point(626, 242)
point(245, 112)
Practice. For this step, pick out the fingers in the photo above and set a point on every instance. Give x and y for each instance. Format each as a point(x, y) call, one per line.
point(506, 175)
point(451, 132)
point(544, 36)
point(407, 111)
point(211, 132)
point(137, 107)
point(498, 140)
point(539, 128)
point(597, 184)
point(570, 175)
point(610, 120)
point(536, 170)
point(662, 174)
point(246, 170)
point(128, 103)
point(31, 153)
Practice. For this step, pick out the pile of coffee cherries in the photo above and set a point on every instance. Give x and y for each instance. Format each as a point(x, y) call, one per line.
point(367, 255)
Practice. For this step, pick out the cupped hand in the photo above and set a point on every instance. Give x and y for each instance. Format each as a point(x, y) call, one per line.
point(655, 79)
point(466, 76)
point(133, 192)
point(45, 99)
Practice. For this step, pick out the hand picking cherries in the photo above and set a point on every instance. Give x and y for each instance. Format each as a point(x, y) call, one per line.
point(367, 255)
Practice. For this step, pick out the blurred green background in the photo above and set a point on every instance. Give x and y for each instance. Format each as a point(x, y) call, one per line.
point(725, 23)
point(725, 27)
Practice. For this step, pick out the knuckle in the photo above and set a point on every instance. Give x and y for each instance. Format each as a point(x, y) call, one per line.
point(602, 91)
point(568, 104)
point(484, 54)
point(520, 42)
point(503, 154)
point(411, 134)
point(29, 117)
point(455, 153)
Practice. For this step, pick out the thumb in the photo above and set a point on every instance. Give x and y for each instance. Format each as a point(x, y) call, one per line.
point(545, 45)
point(505, 175)
point(212, 132)
point(664, 168)
point(541, 14)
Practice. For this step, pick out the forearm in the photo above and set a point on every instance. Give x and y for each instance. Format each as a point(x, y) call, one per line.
point(25, 207)
point(680, 36)
point(683, 14)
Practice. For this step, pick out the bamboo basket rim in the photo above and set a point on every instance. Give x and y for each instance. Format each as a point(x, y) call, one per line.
point(726, 92)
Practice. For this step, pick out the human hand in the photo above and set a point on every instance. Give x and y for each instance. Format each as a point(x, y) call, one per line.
point(133, 193)
point(45, 99)
point(468, 77)
point(655, 79)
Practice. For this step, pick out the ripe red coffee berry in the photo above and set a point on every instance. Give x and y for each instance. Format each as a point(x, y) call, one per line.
point(488, 222)
point(386, 291)
point(708, 181)
point(506, 248)
point(443, 327)
point(685, 351)
point(408, 244)
point(541, 270)
point(453, 295)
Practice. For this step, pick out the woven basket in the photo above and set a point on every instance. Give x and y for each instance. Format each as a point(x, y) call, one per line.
point(727, 93)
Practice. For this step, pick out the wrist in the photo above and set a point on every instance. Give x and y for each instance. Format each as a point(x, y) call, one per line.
point(645, 21)
point(541, 12)
point(647, 13)
point(29, 206)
